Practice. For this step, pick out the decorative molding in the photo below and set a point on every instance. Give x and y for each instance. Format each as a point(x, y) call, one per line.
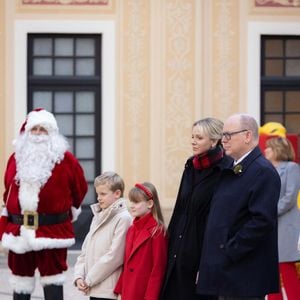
point(277, 3)
point(274, 8)
point(65, 2)
point(179, 105)
point(66, 6)
point(225, 62)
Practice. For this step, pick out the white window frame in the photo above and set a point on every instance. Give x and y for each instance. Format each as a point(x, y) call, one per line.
point(255, 31)
point(108, 76)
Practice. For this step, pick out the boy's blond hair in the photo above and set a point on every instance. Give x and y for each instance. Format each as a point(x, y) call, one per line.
point(112, 179)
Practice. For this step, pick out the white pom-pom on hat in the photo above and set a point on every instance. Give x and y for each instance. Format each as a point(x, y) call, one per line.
point(40, 117)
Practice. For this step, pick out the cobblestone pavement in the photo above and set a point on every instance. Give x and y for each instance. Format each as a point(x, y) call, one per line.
point(70, 292)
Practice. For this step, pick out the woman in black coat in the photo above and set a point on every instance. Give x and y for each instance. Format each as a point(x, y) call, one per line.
point(187, 225)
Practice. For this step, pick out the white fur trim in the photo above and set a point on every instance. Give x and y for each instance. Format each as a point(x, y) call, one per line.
point(42, 118)
point(75, 213)
point(29, 196)
point(22, 284)
point(4, 212)
point(57, 279)
point(27, 241)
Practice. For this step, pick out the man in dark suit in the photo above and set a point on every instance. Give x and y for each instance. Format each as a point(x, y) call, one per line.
point(240, 255)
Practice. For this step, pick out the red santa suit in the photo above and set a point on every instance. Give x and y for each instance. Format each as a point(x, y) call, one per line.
point(40, 208)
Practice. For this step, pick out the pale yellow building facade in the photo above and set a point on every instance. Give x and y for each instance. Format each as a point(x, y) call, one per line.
point(166, 63)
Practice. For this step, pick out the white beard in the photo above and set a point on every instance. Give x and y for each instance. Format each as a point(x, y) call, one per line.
point(36, 156)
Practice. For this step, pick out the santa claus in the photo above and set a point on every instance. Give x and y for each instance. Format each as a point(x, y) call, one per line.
point(44, 188)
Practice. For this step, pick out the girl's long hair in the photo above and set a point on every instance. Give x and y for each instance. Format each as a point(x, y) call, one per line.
point(137, 194)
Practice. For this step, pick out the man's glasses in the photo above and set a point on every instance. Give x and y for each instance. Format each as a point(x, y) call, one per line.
point(227, 135)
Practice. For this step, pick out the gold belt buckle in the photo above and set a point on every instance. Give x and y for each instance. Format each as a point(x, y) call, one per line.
point(31, 219)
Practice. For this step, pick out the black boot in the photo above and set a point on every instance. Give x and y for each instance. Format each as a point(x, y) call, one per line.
point(21, 296)
point(53, 292)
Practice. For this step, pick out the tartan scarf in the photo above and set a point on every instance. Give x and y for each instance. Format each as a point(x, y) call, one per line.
point(209, 158)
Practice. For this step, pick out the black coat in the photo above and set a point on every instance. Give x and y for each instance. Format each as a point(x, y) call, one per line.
point(240, 255)
point(186, 230)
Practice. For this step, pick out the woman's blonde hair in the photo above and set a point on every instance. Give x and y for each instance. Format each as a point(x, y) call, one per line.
point(144, 192)
point(211, 127)
point(282, 148)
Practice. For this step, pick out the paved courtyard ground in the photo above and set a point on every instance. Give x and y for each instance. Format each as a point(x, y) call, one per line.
point(70, 292)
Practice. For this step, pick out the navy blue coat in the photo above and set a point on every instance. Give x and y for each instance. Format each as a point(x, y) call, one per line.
point(240, 253)
point(186, 230)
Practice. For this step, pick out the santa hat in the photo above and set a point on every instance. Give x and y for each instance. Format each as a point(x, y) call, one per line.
point(40, 116)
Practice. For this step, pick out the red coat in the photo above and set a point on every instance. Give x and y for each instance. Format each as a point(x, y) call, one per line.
point(65, 188)
point(145, 261)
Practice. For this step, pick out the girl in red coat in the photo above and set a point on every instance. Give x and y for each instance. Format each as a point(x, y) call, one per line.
point(146, 247)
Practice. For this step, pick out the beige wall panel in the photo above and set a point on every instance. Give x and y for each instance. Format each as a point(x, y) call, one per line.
point(9, 67)
point(243, 52)
point(179, 103)
point(157, 37)
point(9, 18)
point(225, 59)
point(2, 86)
point(135, 100)
point(177, 60)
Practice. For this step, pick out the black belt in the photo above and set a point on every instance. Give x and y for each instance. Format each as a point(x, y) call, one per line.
point(32, 219)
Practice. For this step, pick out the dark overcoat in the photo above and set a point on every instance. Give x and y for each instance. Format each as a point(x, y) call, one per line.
point(186, 229)
point(240, 254)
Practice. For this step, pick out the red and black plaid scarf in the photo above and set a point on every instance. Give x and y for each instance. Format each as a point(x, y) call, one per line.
point(208, 159)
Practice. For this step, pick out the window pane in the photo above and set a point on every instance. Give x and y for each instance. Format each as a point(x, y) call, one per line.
point(85, 47)
point(42, 66)
point(293, 48)
point(293, 67)
point(63, 102)
point(293, 101)
point(63, 47)
point(42, 99)
point(90, 197)
point(85, 67)
point(274, 48)
point(273, 101)
point(64, 66)
point(71, 143)
point(42, 47)
point(65, 124)
point(273, 67)
point(85, 125)
point(274, 118)
point(292, 123)
point(89, 169)
point(85, 102)
point(85, 148)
